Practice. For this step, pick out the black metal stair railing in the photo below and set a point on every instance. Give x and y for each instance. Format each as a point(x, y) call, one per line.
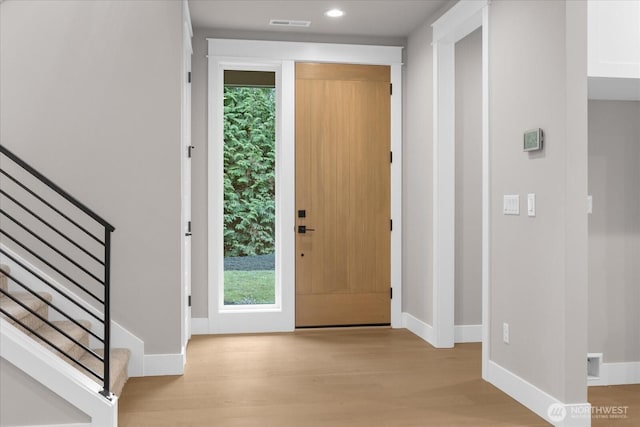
point(67, 219)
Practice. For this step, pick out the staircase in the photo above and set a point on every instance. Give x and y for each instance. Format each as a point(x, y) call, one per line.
point(55, 310)
point(20, 305)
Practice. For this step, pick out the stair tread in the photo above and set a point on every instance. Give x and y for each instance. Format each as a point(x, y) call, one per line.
point(119, 356)
point(62, 342)
point(67, 326)
point(27, 299)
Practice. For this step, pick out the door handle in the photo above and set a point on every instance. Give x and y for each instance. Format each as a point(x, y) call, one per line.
point(302, 229)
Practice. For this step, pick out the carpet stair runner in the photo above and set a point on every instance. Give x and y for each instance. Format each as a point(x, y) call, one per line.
point(119, 356)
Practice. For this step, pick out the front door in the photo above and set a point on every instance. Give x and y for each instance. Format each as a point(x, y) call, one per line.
point(342, 194)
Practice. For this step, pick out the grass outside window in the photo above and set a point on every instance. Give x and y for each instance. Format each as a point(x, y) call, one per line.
point(249, 287)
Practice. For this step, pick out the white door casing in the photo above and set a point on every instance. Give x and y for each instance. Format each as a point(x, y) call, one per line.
point(462, 19)
point(185, 162)
point(281, 57)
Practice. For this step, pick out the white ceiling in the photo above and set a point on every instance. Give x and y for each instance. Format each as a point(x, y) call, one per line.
point(381, 18)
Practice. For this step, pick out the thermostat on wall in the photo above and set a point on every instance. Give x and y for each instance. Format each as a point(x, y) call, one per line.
point(532, 140)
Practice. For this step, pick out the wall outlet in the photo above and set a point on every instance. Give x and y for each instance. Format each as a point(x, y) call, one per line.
point(505, 333)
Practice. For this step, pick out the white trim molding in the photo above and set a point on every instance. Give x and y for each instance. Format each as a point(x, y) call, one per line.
point(486, 193)
point(164, 364)
point(122, 338)
point(306, 52)
point(462, 19)
point(543, 404)
point(463, 333)
point(185, 175)
point(282, 57)
point(58, 376)
point(418, 327)
point(280, 316)
point(617, 374)
point(200, 326)
point(64, 425)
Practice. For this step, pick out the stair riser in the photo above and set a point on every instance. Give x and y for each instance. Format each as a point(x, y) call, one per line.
point(31, 321)
point(119, 374)
point(73, 350)
point(119, 382)
point(69, 351)
point(4, 285)
point(4, 280)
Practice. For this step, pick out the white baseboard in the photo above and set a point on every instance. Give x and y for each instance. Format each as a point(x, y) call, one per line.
point(418, 327)
point(617, 374)
point(463, 333)
point(543, 404)
point(64, 425)
point(199, 326)
point(467, 333)
point(163, 364)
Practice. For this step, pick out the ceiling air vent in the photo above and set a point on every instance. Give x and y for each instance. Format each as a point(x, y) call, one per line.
point(289, 23)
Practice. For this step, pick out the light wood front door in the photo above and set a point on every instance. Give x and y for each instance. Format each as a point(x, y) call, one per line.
point(342, 194)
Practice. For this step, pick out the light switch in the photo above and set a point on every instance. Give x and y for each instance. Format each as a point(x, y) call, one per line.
point(511, 204)
point(531, 204)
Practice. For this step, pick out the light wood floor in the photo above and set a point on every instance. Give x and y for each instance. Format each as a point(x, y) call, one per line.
point(622, 395)
point(352, 377)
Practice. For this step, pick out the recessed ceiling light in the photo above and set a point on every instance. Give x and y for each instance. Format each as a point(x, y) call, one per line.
point(334, 13)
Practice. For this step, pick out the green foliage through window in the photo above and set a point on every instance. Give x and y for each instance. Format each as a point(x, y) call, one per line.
point(249, 171)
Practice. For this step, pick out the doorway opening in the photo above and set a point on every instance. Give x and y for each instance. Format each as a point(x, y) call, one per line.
point(249, 188)
point(281, 58)
point(460, 21)
point(468, 189)
point(343, 195)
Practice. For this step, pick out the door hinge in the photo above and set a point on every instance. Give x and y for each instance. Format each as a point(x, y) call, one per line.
point(390, 293)
point(189, 150)
point(189, 77)
point(390, 156)
point(391, 224)
point(189, 300)
point(390, 88)
point(188, 233)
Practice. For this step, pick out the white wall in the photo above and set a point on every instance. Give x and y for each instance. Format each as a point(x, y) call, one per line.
point(417, 185)
point(21, 396)
point(417, 180)
point(538, 78)
point(90, 96)
point(614, 230)
point(468, 202)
